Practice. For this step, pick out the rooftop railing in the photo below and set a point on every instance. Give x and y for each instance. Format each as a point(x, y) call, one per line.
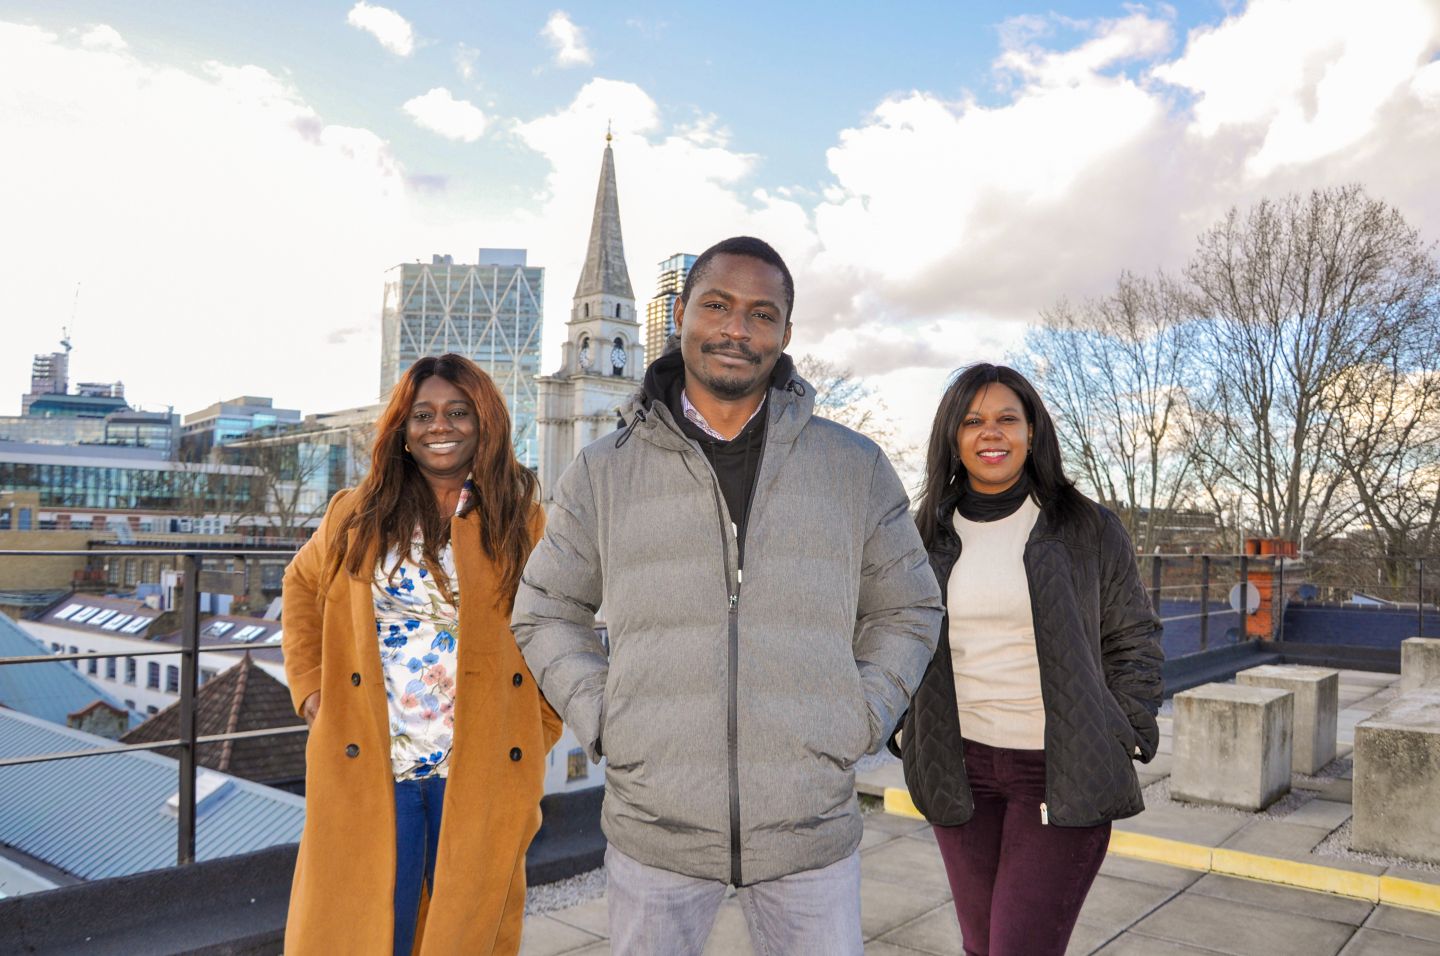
point(189, 649)
point(1195, 577)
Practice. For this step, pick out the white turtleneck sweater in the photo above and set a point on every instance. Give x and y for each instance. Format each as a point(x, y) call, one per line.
point(992, 633)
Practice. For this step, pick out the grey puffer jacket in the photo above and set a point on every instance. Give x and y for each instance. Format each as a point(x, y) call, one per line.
point(731, 716)
point(1097, 641)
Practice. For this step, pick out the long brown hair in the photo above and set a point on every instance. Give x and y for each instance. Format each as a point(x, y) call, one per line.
point(394, 496)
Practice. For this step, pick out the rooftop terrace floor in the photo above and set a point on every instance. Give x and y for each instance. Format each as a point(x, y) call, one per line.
point(1142, 903)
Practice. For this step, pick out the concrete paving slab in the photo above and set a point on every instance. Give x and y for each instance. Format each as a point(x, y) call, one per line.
point(880, 948)
point(936, 932)
point(1137, 944)
point(1394, 919)
point(1368, 942)
point(592, 917)
point(1238, 929)
point(1186, 824)
point(1086, 939)
point(1115, 904)
point(872, 837)
point(925, 835)
point(1284, 899)
point(874, 781)
point(906, 862)
point(891, 823)
point(1151, 874)
point(888, 906)
point(545, 936)
point(1289, 841)
point(1370, 678)
point(1326, 814)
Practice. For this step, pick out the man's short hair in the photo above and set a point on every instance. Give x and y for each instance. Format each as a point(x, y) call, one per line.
point(742, 246)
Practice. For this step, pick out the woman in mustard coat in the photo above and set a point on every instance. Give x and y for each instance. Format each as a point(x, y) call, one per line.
point(426, 758)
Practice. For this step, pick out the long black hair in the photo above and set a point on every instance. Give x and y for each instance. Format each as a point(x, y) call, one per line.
point(944, 472)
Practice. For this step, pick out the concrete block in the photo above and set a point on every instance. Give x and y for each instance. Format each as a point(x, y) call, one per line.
point(1419, 663)
point(1232, 745)
point(1397, 779)
point(1317, 708)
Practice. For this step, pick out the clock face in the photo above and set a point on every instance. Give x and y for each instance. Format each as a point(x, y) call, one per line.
point(617, 357)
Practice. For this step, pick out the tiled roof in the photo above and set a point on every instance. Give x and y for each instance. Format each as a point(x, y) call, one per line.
point(243, 697)
point(98, 817)
point(50, 691)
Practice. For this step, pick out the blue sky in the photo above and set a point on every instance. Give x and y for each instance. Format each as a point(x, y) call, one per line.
point(229, 182)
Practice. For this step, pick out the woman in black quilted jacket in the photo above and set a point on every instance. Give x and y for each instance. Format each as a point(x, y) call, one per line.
point(1018, 746)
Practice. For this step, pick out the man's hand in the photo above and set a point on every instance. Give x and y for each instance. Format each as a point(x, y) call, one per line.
point(311, 708)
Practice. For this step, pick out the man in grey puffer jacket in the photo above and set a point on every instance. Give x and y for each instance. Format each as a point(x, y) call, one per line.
point(770, 611)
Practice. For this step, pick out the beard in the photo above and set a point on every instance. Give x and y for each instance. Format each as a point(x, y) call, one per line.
point(736, 384)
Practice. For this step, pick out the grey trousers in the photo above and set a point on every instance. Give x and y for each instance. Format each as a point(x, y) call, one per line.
point(654, 912)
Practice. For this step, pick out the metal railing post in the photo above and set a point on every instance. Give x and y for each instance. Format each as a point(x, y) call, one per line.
point(1419, 597)
point(1156, 572)
point(1277, 601)
point(1244, 593)
point(190, 643)
point(1204, 601)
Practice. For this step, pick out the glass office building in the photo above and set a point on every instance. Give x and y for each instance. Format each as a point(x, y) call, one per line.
point(660, 311)
point(86, 478)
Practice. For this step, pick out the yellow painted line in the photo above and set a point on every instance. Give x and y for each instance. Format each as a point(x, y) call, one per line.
point(1395, 891)
point(1308, 876)
point(1390, 890)
point(1153, 849)
point(898, 802)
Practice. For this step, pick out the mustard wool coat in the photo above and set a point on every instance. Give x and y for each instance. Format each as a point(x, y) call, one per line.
point(342, 899)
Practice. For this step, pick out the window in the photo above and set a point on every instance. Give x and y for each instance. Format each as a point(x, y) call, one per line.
point(129, 705)
point(102, 616)
point(130, 572)
point(137, 625)
point(152, 710)
point(83, 613)
point(69, 610)
point(74, 650)
point(130, 675)
point(56, 648)
point(94, 666)
point(207, 674)
point(115, 623)
point(110, 665)
point(172, 679)
point(152, 675)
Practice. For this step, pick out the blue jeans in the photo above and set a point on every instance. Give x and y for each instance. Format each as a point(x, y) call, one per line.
point(654, 912)
point(417, 837)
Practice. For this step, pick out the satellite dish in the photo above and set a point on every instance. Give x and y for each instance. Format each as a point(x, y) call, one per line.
point(1252, 598)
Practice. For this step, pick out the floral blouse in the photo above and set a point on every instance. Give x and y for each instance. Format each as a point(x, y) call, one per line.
point(418, 629)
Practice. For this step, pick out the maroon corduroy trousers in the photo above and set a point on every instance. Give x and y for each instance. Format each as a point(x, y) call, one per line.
point(1018, 882)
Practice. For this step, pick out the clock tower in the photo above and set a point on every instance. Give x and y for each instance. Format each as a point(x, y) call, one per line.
point(601, 360)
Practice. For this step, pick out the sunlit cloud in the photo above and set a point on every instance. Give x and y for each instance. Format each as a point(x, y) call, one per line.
point(392, 30)
point(567, 39)
point(440, 112)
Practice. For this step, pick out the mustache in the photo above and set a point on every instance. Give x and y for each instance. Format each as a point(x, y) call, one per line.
point(736, 349)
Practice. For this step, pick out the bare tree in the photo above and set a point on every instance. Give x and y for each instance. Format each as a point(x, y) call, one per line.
point(1296, 294)
point(293, 479)
point(843, 398)
point(1113, 372)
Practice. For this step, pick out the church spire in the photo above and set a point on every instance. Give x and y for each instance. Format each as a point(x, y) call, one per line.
point(605, 272)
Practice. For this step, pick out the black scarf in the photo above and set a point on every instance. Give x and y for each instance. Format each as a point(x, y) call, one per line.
point(976, 506)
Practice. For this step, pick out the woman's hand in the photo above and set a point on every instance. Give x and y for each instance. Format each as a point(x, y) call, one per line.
point(311, 708)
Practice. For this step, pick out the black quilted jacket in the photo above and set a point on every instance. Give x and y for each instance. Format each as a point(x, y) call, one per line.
point(1098, 642)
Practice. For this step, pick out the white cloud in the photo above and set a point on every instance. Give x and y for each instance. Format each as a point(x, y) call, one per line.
point(102, 37)
point(1315, 73)
point(440, 112)
point(392, 30)
point(222, 230)
point(567, 39)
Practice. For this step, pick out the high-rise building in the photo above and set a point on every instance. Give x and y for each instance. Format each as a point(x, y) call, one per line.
point(660, 312)
point(50, 374)
point(601, 358)
point(491, 312)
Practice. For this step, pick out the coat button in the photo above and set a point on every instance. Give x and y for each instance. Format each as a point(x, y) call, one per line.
point(514, 753)
point(355, 679)
point(353, 750)
point(517, 680)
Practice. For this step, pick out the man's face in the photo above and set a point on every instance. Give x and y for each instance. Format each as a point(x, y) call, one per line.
point(734, 327)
